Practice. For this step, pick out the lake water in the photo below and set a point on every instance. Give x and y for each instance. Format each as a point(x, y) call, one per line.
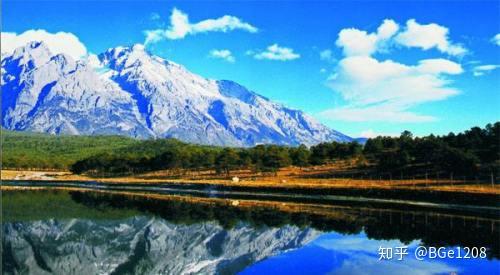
point(76, 232)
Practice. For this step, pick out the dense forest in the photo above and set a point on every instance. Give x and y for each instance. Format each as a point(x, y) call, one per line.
point(469, 154)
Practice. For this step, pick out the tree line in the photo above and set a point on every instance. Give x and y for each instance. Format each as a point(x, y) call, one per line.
point(175, 155)
point(472, 152)
point(464, 154)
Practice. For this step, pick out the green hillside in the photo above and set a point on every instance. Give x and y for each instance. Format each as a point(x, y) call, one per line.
point(34, 150)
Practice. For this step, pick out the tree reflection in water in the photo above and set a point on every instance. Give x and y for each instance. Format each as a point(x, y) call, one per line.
point(433, 227)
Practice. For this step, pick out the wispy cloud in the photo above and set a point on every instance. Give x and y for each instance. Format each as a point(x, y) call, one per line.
point(496, 39)
point(222, 54)
point(154, 16)
point(276, 52)
point(326, 55)
point(382, 113)
point(370, 133)
point(180, 27)
point(483, 69)
point(386, 90)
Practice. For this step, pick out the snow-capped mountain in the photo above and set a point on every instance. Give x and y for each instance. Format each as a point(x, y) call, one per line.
point(141, 245)
point(128, 91)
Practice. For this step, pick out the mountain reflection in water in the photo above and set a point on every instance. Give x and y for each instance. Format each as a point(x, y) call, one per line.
point(94, 233)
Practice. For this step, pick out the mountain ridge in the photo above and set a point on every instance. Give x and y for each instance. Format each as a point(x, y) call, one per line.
point(128, 91)
point(141, 244)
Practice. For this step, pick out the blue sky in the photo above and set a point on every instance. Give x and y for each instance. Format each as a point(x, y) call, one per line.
point(360, 67)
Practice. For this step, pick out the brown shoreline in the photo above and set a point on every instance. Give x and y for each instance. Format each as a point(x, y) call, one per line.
point(280, 181)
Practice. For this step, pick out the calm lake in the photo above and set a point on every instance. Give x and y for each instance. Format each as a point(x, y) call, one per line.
point(94, 232)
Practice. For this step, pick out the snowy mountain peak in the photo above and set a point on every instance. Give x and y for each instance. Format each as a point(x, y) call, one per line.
point(31, 46)
point(80, 246)
point(122, 57)
point(128, 91)
point(36, 52)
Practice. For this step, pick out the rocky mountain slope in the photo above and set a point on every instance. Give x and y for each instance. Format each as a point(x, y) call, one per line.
point(141, 245)
point(127, 91)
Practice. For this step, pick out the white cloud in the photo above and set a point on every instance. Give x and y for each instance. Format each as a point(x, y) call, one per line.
point(153, 36)
point(326, 55)
point(439, 66)
point(366, 80)
point(356, 243)
point(358, 255)
point(381, 112)
point(387, 29)
point(222, 54)
point(275, 52)
point(486, 67)
point(496, 39)
point(482, 69)
point(180, 27)
point(154, 16)
point(427, 37)
point(358, 42)
point(386, 90)
point(60, 42)
point(370, 133)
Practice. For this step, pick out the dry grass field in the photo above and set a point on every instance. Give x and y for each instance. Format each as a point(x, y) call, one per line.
point(326, 176)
